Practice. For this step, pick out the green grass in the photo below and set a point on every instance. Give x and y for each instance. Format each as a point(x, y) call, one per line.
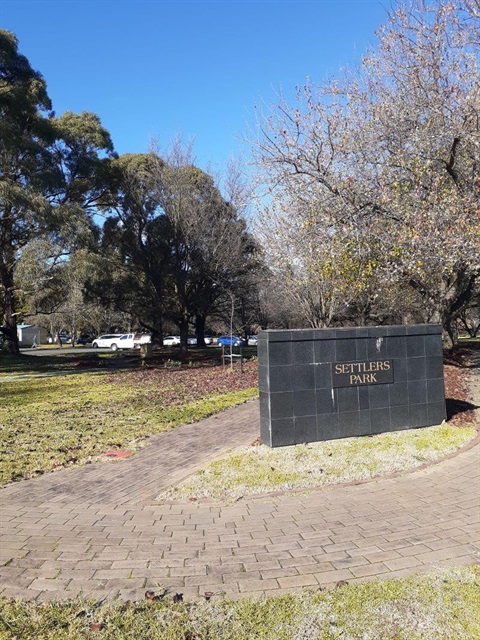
point(441, 606)
point(260, 469)
point(50, 422)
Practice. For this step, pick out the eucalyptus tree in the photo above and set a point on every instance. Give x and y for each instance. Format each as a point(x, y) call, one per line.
point(389, 154)
point(172, 246)
point(211, 250)
point(51, 172)
point(131, 268)
point(25, 135)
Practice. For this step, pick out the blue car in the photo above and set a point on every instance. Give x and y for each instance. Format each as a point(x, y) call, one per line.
point(226, 341)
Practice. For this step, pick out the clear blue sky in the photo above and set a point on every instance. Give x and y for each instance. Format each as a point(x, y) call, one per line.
point(156, 67)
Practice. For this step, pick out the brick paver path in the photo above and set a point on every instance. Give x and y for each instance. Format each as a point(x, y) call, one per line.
point(97, 530)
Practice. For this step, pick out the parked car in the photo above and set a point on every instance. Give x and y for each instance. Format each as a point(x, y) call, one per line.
point(129, 341)
point(141, 338)
point(171, 341)
point(107, 341)
point(208, 340)
point(64, 339)
point(84, 339)
point(192, 341)
point(252, 341)
point(226, 341)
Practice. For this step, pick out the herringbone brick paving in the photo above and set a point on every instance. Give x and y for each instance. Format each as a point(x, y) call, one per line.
point(98, 531)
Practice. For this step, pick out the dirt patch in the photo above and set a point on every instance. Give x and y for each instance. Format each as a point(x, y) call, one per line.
point(460, 408)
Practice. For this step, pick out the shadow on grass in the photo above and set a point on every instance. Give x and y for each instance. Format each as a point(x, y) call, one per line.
point(11, 364)
point(61, 364)
point(29, 390)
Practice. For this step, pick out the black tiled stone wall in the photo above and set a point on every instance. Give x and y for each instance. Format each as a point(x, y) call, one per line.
point(298, 403)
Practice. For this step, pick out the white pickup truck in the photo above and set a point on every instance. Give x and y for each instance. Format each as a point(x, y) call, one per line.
point(122, 341)
point(132, 340)
point(141, 338)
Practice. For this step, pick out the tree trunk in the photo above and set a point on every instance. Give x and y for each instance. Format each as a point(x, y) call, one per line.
point(183, 326)
point(200, 330)
point(156, 330)
point(449, 302)
point(9, 328)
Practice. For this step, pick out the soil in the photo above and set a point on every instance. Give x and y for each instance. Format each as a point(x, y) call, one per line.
point(458, 369)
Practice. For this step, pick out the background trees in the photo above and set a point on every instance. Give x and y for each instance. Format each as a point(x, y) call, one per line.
point(172, 247)
point(370, 214)
point(50, 172)
point(379, 173)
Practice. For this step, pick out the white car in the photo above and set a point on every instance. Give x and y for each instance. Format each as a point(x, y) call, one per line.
point(171, 341)
point(107, 341)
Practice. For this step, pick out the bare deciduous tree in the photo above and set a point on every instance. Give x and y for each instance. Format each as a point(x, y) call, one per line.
point(389, 155)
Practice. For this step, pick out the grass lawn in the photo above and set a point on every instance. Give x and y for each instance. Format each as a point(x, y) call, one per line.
point(260, 469)
point(59, 420)
point(441, 606)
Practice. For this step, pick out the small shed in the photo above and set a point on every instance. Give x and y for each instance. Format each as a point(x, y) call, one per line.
point(26, 333)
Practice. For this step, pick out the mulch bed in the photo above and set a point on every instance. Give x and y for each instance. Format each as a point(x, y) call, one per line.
point(460, 409)
point(196, 381)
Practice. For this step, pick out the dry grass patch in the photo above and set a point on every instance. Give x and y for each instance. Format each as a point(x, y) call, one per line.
point(260, 469)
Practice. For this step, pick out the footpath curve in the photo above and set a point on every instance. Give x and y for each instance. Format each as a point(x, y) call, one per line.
point(97, 530)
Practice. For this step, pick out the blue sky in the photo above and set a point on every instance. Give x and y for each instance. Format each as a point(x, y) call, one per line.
point(153, 68)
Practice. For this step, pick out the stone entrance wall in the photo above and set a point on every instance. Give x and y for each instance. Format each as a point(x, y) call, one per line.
point(321, 384)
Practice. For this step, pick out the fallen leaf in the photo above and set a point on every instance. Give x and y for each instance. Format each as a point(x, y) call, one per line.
point(341, 583)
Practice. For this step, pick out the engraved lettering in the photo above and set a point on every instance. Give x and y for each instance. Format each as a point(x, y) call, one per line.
point(359, 373)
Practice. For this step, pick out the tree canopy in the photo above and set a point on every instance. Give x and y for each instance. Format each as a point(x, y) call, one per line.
point(50, 171)
point(172, 247)
point(382, 164)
